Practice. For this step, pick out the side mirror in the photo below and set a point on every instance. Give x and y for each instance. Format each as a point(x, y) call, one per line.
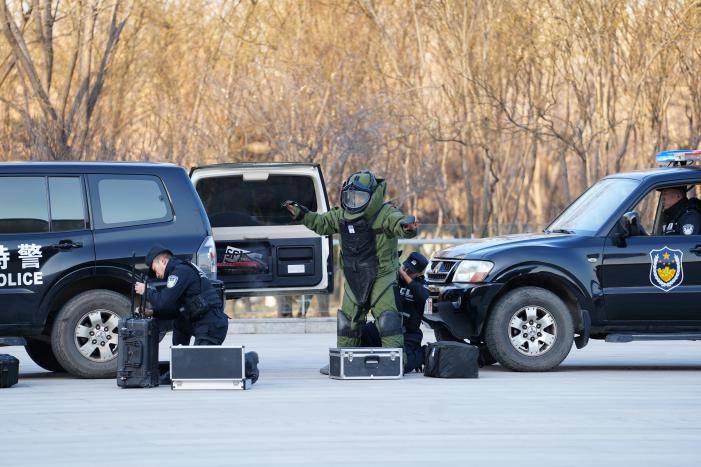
point(628, 225)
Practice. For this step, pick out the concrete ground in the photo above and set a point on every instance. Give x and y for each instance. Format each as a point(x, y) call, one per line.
point(608, 404)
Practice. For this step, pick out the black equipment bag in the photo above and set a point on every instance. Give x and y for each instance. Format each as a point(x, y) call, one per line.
point(137, 353)
point(9, 371)
point(446, 359)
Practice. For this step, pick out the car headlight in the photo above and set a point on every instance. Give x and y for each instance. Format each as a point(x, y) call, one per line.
point(472, 271)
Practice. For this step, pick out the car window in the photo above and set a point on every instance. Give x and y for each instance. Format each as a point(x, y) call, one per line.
point(129, 200)
point(658, 213)
point(647, 209)
point(67, 204)
point(595, 206)
point(231, 201)
point(24, 207)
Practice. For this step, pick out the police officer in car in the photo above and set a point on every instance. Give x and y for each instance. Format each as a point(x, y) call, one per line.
point(681, 215)
point(190, 298)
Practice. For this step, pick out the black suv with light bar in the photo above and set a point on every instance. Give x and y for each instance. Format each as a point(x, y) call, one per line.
point(67, 233)
point(603, 269)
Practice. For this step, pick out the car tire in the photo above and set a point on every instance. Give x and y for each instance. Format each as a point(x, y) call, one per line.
point(42, 354)
point(529, 329)
point(84, 336)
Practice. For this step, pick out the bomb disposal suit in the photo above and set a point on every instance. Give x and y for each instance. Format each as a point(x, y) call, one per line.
point(369, 229)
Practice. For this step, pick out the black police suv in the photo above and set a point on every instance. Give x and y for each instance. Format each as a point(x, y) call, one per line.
point(621, 263)
point(67, 233)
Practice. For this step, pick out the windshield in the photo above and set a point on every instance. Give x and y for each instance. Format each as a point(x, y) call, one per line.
point(588, 214)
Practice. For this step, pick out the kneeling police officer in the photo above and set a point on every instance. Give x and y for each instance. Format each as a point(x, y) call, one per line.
point(190, 298)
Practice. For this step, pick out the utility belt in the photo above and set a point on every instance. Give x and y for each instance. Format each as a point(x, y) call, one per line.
point(197, 306)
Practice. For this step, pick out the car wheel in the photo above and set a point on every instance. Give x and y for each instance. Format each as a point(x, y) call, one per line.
point(84, 337)
point(42, 354)
point(529, 329)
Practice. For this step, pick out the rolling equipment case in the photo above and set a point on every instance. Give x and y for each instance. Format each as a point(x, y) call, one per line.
point(9, 371)
point(138, 353)
point(208, 367)
point(366, 363)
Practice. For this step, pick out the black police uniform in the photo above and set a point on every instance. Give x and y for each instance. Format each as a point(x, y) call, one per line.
point(193, 302)
point(684, 218)
point(411, 301)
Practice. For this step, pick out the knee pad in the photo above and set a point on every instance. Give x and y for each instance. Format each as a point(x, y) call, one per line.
point(344, 326)
point(390, 323)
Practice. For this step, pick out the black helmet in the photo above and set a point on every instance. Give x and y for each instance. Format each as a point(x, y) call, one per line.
point(357, 191)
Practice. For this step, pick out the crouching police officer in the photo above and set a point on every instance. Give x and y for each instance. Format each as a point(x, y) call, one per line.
point(190, 298)
point(411, 296)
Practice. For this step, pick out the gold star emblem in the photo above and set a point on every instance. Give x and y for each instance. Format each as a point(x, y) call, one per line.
point(665, 256)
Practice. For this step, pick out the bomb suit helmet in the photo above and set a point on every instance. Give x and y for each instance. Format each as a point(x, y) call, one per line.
point(357, 191)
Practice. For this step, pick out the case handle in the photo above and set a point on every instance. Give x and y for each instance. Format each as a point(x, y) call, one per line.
point(372, 360)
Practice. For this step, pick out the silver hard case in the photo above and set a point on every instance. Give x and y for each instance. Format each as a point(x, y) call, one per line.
point(208, 367)
point(358, 363)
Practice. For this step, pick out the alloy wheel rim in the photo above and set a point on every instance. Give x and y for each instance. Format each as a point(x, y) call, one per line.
point(96, 335)
point(532, 331)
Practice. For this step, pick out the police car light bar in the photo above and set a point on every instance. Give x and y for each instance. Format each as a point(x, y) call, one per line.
point(678, 156)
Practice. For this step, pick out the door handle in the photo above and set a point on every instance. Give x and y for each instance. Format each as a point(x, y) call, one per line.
point(67, 245)
point(696, 249)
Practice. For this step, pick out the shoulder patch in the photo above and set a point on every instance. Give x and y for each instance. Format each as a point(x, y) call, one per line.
point(688, 229)
point(172, 280)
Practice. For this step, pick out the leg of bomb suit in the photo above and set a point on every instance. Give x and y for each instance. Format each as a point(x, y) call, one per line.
point(384, 309)
point(351, 319)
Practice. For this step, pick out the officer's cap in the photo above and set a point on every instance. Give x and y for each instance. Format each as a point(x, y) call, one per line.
point(416, 262)
point(154, 252)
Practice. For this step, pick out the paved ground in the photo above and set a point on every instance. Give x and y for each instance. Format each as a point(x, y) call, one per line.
point(609, 404)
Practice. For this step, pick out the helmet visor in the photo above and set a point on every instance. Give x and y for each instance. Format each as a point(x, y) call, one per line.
point(355, 199)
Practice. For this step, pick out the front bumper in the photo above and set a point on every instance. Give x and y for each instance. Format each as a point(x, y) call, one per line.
point(461, 309)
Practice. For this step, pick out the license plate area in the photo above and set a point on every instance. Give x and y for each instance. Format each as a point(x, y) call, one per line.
point(274, 263)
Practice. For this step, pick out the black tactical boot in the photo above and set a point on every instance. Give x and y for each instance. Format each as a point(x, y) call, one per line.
point(252, 366)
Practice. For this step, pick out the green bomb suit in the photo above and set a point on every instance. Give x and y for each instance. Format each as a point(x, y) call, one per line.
point(383, 226)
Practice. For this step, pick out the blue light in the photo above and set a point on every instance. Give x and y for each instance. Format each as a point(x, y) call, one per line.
point(678, 155)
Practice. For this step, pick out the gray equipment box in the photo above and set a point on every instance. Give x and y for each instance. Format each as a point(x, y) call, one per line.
point(366, 363)
point(208, 367)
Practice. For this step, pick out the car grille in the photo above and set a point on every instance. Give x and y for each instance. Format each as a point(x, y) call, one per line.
point(440, 269)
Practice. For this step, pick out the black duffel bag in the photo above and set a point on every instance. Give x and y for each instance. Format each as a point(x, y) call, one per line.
point(446, 359)
point(9, 371)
